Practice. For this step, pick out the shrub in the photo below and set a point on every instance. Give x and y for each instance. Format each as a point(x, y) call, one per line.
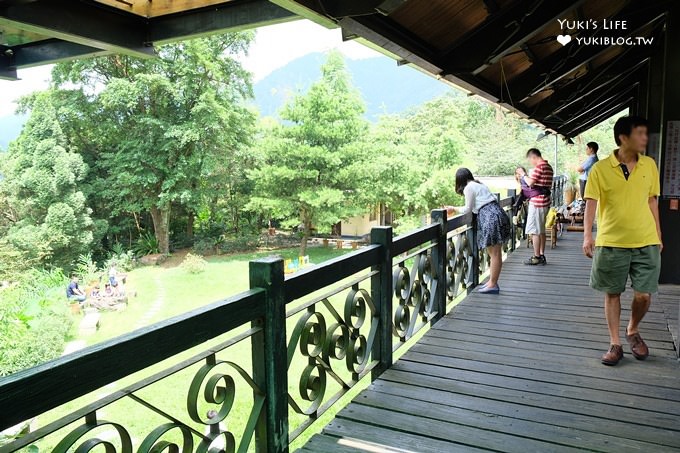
point(147, 244)
point(124, 260)
point(244, 243)
point(194, 264)
point(34, 321)
point(205, 246)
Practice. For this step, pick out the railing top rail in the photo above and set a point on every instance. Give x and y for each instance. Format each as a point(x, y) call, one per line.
point(30, 392)
point(408, 241)
point(315, 278)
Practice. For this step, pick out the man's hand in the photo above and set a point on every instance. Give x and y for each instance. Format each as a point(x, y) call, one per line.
point(588, 246)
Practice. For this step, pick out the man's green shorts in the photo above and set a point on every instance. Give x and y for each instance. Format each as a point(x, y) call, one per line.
point(612, 266)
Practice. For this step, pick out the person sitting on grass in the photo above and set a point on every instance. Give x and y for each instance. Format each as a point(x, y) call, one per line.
point(74, 293)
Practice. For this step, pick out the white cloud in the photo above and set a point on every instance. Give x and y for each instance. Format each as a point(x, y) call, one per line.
point(277, 45)
point(31, 79)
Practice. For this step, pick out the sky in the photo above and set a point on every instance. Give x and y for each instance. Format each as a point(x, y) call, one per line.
point(274, 47)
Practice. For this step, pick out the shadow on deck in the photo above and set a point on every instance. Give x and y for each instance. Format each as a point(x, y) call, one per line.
point(522, 372)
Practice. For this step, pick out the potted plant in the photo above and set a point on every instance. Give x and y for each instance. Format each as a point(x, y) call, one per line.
point(571, 187)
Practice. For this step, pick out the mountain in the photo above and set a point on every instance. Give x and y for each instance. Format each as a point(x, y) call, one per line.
point(10, 128)
point(385, 87)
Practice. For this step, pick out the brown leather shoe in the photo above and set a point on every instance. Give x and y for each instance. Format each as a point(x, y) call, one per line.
point(637, 346)
point(613, 356)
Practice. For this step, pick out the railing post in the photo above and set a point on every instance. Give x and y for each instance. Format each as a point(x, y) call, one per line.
point(512, 193)
point(439, 260)
point(381, 293)
point(475, 254)
point(270, 358)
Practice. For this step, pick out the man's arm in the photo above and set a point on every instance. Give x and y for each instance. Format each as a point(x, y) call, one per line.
point(588, 220)
point(654, 207)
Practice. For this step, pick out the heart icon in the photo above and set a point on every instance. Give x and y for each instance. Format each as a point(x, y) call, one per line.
point(564, 39)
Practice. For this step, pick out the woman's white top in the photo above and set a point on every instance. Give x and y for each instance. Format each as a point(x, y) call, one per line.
point(476, 196)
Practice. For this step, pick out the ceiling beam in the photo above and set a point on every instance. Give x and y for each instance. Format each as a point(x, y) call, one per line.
point(222, 18)
point(605, 114)
point(81, 22)
point(598, 106)
point(572, 92)
point(51, 51)
point(338, 9)
point(560, 108)
point(501, 33)
point(563, 62)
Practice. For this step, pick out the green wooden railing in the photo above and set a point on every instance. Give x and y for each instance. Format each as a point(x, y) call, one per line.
point(312, 337)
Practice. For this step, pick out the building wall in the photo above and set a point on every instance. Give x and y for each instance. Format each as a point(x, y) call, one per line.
point(360, 225)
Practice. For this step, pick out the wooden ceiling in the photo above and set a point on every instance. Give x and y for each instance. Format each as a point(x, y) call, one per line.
point(155, 8)
point(507, 52)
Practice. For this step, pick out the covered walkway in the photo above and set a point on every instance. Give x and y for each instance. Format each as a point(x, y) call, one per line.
point(521, 372)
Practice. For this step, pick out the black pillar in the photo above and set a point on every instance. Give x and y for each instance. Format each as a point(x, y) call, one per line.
point(670, 219)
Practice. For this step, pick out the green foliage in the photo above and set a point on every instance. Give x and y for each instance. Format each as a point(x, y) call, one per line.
point(303, 178)
point(147, 244)
point(122, 259)
point(87, 270)
point(165, 135)
point(49, 222)
point(194, 264)
point(407, 162)
point(34, 321)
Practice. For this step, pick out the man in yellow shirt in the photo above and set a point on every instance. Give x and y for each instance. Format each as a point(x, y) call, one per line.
point(628, 244)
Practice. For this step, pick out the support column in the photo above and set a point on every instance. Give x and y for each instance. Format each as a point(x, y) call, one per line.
point(670, 219)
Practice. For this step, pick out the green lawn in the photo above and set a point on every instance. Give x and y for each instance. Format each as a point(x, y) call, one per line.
point(173, 291)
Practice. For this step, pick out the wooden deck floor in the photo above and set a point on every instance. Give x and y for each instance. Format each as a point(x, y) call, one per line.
point(521, 372)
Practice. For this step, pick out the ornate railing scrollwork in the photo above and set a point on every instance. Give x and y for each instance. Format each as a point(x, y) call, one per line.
point(219, 389)
point(414, 291)
point(459, 269)
point(91, 423)
point(327, 346)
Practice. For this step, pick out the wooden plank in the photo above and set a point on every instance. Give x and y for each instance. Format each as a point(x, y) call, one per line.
point(594, 322)
point(621, 420)
point(600, 403)
point(430, 391)
point(440, 429)
point(393, 399)
point(36, 390)
point(545, 373)
point(536, 335)
point(550, 328)
point(362, 436)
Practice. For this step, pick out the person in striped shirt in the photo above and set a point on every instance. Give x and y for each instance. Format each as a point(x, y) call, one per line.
point(540, 177)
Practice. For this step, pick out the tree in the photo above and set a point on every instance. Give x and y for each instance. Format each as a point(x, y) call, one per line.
point(47, 221)
point(407, 162)
point(304, 178)
point(165, 127)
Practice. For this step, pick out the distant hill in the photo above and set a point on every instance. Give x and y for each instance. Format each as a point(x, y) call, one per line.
point(385, 87)
point(10, 128)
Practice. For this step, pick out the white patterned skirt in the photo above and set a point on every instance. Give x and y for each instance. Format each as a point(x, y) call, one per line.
point(493, 226)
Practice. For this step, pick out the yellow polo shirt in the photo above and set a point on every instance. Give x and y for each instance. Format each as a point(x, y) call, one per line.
point(624, 218)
